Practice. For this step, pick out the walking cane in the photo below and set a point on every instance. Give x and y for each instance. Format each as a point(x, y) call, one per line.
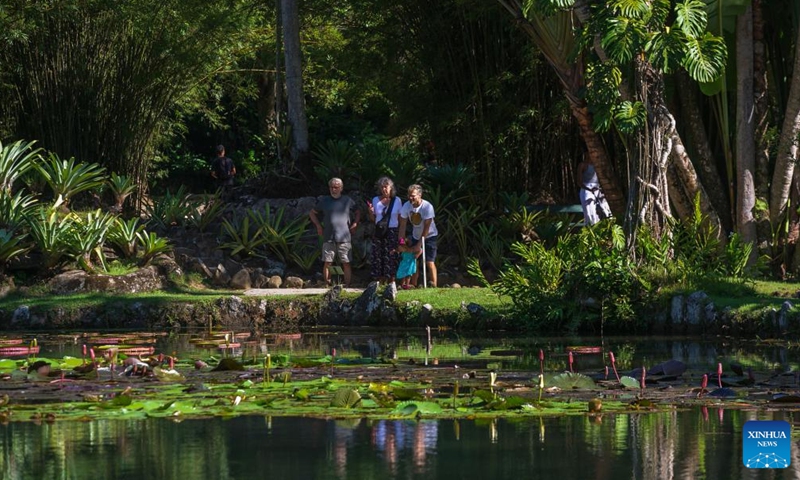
point(424, 270)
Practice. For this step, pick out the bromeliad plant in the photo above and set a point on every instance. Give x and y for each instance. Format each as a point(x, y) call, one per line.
point(88, 238)
point(68, 177)
point(15, 160)
point(121, 187)
point(242, 238)
point(123, 234)
point(151, 245)
point(280, 236)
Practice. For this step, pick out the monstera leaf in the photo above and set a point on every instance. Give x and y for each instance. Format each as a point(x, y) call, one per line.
point(570, 380)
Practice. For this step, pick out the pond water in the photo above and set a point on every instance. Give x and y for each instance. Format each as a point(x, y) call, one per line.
point(697, 442)
point(676, 445)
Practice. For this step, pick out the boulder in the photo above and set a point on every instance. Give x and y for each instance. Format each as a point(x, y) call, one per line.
point(241, 280)
point(146, 279)
point(368, 303)
point(294, 282)
point(221, 277)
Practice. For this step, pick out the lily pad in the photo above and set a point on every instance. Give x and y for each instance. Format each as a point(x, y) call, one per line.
point(418, 408)
point(571, 380)
point(629, 382)
point(346, 397)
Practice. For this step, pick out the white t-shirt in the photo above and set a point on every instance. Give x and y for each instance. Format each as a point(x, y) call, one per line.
point(380, 210)
point(417, 216)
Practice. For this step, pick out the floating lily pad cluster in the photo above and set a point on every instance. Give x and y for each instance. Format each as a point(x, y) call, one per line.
point(124, 380)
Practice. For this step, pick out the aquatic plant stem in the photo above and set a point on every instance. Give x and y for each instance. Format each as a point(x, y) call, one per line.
point(642, 382)
point(571, 359)
point(703, 385)
point(541, 361)
point(541, 387)
point(614, 365)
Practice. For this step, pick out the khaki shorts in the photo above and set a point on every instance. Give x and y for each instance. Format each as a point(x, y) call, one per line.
point(330, 250)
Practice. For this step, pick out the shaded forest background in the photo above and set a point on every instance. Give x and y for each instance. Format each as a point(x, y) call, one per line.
point(507, 91)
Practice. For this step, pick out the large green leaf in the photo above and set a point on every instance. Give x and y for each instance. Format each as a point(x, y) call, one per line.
point(570, 380)
point(345, 397)
point(705, 57)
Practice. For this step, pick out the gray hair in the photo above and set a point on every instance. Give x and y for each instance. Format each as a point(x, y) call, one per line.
point(415, 188)
point(333, 181)
point(386, 181)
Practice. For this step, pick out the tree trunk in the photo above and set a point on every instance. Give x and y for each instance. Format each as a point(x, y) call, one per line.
point(787, 145)
point(745, 133)
point(691, 187)
point(707, 169)
point(294, 83)
point(596, 150)
point(761, 112)
point(549, 37)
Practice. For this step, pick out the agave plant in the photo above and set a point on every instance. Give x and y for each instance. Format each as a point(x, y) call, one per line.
point(151, 245)
point(68, 177)
point(15, 160)
point(122, 187)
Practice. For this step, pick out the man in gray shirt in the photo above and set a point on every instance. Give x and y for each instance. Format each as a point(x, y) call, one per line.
point(335, 210)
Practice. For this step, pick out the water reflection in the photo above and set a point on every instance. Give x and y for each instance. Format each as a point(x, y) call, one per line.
point(511, 353)
point(695, 444)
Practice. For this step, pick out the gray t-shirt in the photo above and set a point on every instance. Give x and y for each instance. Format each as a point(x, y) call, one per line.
point(335, 217)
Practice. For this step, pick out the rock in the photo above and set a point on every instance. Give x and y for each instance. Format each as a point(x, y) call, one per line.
point(475, 309)
point(694, 308)
point(259, 280)
point(197, 265)
point(455, 285)
point(274, 281)
point(221, 277)
point(783, 320)
point(21, 315)
point(368, 303)
point(390, 292)
point(676, 310)
point(241, 280)
point(146, 279)
point(294, 282)
point(232, 265)
point(426, 313)
point(72, 281)
point(273, 267)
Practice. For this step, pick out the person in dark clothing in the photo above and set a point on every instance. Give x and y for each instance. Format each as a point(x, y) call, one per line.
point(222, 169)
